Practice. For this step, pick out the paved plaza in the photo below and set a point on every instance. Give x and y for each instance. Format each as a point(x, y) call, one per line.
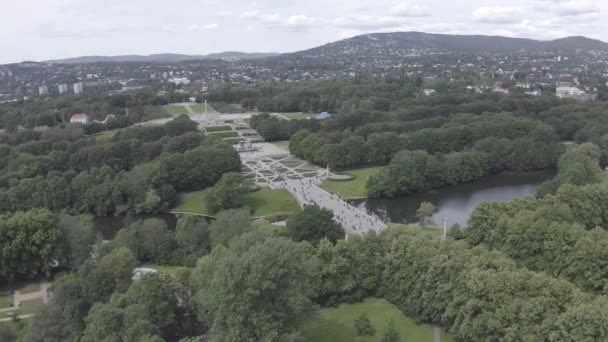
point(270, 165)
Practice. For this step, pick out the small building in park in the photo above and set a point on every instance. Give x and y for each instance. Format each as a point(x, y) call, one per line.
point(80, 118)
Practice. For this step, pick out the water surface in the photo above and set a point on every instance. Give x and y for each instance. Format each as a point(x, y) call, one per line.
point(456, 203)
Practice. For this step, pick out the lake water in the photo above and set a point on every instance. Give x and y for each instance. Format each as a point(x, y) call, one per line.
point(456, 203)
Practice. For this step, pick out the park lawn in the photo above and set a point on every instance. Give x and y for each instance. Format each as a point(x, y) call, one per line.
point(264, 201)
point(355, 187)
point(268, 227)
point(337, 324)
point(300, 116)
point(172, 270)
point(282, 144)
point(193, 202)
point(105, 136)
point(176, 110)
point(6, 300)
point(29, 306)
point(31, 287)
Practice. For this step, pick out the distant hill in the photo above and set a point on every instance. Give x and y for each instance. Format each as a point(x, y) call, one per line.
point(163, 58)
point(378, 45)
point(398, 42)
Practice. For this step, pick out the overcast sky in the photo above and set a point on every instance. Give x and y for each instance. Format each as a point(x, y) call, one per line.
point(48, 29)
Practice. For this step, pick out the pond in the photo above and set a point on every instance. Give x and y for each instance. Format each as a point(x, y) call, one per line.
point(456, 203)
point(108, 226)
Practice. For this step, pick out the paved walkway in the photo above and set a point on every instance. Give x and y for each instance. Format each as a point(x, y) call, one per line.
point(19, 297)
point(352, 219)
point(8, 319)
point(436, 333)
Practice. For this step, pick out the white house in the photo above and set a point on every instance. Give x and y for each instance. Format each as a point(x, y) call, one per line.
point(429, 92)
point(80, 118)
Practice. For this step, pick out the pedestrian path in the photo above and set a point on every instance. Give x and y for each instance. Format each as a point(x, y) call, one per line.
point(354, 220)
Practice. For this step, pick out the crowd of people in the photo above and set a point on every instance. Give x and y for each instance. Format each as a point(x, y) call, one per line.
point(352, 219)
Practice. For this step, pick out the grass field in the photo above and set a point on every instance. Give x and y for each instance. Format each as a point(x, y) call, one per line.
point(193, 202)
point(29, 288)
point(282, 144)
point(29, 306)
point(165, 269)
point(337, 324)
point(264, 201)
point(433, 231)
point(105, 136)
point(176, 110)
point(268, 227)
point(301, 116)
point(267, 201)
point(6, 300)
point(355, 187)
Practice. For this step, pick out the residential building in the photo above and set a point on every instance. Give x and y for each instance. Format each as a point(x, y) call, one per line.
point(62, 88)
point(78, 88)
point(43, 90)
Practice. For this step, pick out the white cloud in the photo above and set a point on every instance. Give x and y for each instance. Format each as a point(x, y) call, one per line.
point(409, 10)
point(498, 15)
point(198, 27)
point(577, 7)
point(293, 22)
point(366, 22)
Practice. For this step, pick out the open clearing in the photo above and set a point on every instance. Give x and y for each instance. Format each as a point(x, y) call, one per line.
point(176, 109)
point(355, 187)
point(264, 201)
point(337, 324)
point(282, 144)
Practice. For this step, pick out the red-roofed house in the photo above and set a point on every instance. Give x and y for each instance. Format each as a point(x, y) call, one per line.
point(80, 118)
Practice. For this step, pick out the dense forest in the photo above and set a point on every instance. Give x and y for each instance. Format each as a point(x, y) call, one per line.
point(428, 142)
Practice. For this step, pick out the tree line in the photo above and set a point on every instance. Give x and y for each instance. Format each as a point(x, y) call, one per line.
point(259, 286)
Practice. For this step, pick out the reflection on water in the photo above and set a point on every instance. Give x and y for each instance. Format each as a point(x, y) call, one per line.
point(456, 203)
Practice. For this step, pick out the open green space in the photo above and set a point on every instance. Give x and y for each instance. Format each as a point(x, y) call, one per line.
point(282, 144)
point(433, 231)
point(176, 109)
point(31, 287)
point(6, 300)
point(29, 306)
point(354, 187)
point(301, 116)
point(267, 226)
point(224, 134)
point(337, 324)
point(193, 202)
point(165, 269)
point(264, 201)
point(105, 136)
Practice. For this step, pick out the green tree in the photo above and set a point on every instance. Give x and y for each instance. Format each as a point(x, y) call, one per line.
point(228, 225)
point(29, 243)
point(227, 193)
point(363, 326)
point(390, 333)
point(192, 235)
point(313, 224)
point(424, 213)
point(258, 289)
